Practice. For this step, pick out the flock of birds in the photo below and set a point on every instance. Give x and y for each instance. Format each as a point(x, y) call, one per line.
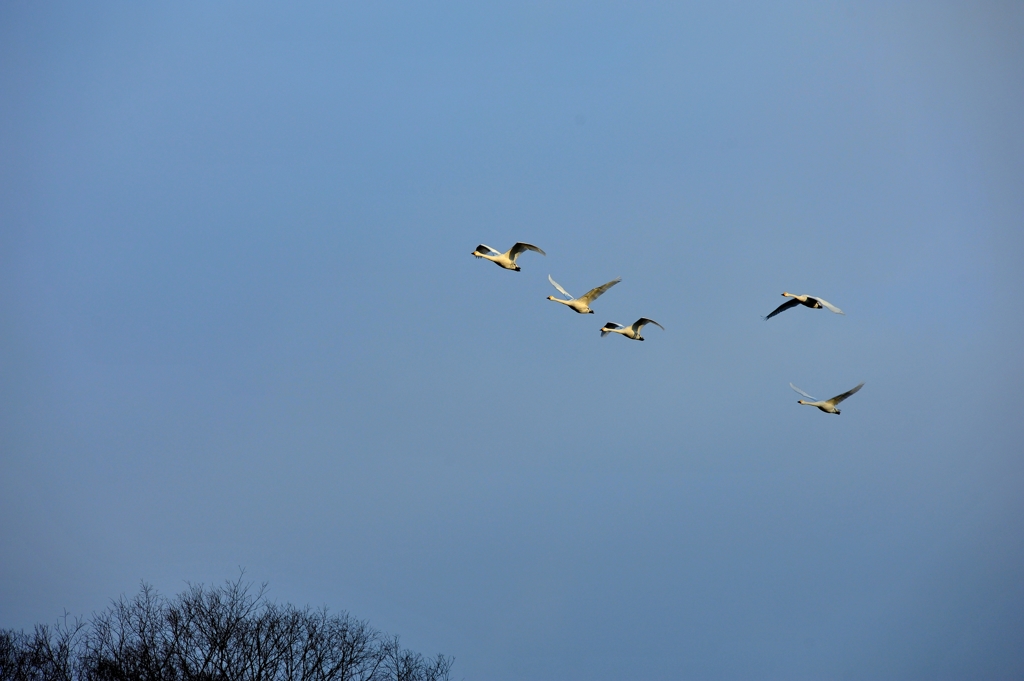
point(581, 305)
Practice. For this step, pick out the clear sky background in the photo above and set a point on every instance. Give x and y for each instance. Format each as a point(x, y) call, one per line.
point(240, 326)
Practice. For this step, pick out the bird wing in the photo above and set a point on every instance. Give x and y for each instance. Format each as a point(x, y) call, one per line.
point(520, 247)
point(782, 308)
point(563, 291)
point(485, 247)
point(827, 304)
point(609, 325)
point(839, 398)
point(595, 293)
point(640, 323)
point(803, 393)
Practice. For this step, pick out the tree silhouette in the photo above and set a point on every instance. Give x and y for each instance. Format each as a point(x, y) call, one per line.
point(226, 633)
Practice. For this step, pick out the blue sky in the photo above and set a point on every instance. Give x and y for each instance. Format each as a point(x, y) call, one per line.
point(241, 326)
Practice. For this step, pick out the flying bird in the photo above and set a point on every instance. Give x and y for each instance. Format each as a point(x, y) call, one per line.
point(581, 304)
point(827, 406)
point(632, 332)
point(808, 301)
point(508, 258)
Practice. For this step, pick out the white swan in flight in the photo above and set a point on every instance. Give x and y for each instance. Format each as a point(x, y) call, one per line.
point(809, 301)
point(632, 332)
point(827, 406)
point(508, 258)
point(582, 304)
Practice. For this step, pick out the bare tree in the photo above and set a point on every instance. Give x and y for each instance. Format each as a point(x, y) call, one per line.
point(45, 655)
point(404, 665)
point(227, 633)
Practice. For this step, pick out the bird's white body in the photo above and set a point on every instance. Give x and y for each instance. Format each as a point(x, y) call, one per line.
point(812, 302)
point(632, 332)
point(581, 304)
point(507, 259)
point(827, 406)
point(574, 304)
